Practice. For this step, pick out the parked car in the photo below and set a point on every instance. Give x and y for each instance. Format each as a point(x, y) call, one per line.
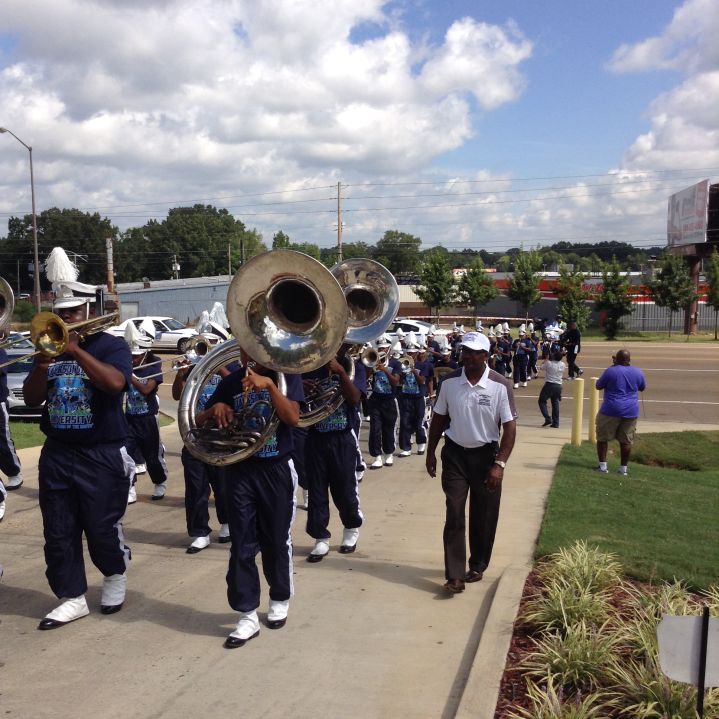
point(420, 328)
point(16, 374)
point(169, 332)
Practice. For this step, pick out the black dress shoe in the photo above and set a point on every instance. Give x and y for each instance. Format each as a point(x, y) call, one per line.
point(235, 642)
point(344, 549)
point(224, 540)
point(453, 586)
point(111, 608)
point(473, 576)
point(547, 422)
point(276, 623)
point(51, 624)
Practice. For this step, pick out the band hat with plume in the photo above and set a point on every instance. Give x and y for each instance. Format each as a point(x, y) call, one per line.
point(138, 341)
point(62, 273)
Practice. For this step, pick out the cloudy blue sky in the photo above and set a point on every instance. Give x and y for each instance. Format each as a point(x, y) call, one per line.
point(470, 124)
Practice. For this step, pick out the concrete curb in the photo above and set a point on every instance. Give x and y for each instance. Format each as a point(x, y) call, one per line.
point(481, 692)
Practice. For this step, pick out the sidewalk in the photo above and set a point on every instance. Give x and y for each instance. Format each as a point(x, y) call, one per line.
point(368, 635)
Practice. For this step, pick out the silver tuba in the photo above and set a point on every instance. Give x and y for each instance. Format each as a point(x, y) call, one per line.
point(288, 313)
point(7, 304)
point(372, 298)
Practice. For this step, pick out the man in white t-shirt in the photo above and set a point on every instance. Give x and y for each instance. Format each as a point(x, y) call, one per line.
point(477, 400)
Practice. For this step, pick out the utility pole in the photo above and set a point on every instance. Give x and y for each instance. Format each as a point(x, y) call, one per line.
point(229, 260)
point(339, 222)
point(175, 267)
point(110, 267)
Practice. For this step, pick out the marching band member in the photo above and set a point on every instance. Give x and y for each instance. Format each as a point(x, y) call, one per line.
point(412, 396)
point(142, 413)
point(260, 497)
point(85, 470)
point(199, 476)
point(331, 456)
point(383, 407)
point(9, 461)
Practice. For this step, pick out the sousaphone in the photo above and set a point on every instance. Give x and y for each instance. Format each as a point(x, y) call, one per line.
point(287, 311)
point(372, 298)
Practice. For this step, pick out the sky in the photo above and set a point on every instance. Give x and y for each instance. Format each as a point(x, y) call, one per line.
point(484, 125)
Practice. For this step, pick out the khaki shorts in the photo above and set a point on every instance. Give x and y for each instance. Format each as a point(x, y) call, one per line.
point(619, 428)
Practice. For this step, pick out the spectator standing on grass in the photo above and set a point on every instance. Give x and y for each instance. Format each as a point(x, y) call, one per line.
point(617, 417)
point(552, 389)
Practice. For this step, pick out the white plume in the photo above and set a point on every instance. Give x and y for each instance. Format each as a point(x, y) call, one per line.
point(58, 267)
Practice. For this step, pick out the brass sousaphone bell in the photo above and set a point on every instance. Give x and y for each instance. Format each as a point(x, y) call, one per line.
point(287, 311)
point(372, 297)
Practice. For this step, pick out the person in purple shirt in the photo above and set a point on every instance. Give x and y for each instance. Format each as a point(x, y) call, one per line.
point(617, 417)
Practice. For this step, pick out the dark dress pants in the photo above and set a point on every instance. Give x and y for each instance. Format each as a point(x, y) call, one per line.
point(144, 445)
point(465, 472)
point(382, 421)
point(199, 478)
point(553, 392)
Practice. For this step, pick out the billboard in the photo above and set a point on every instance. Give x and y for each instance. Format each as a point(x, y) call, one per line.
point(687, 216)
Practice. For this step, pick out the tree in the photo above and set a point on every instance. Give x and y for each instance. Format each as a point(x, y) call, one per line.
point(572, 297)
point(81, 234)
point(524, 283)
point(614, 299)
point(436, 282)
point(672, 287)
point(711, 272)
point(476, 287)
point(399, 252)
point(308, 248)
point(280, 241)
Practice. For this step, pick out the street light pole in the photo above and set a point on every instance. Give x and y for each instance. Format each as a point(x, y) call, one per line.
point(36, 272)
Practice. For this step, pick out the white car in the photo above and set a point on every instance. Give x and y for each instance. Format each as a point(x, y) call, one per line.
point(420, 329)
point(170, 333)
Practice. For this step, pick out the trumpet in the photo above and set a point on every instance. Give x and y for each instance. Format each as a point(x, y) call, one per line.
point(407, 363)
point(371, 357)
point(51, 335)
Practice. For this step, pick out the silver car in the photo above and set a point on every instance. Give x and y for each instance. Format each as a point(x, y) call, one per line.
point(16, 374)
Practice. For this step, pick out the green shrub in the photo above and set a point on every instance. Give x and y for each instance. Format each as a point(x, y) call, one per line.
point(586, 566)
point(550, 703)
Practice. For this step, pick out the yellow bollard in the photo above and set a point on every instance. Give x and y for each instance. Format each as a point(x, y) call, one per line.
point(593, 409)
point(577, 411)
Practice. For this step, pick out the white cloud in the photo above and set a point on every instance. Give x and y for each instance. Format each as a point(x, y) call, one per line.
point(144, 101)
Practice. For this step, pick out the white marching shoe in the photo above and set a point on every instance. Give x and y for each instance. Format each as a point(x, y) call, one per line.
point(140, 468)
point(516, 385)
point(359, 475)
point(68, 611)
point(319, 552)
point(524, 384)
point(113, 593)
point(376, 463)
point(405, 453)
point(277, 613)
point(388, 460)
point(305, 499)
point(198, 544)
point(248, 627)
point(2, 509)
point(159, 491)
point(14, 482)
point(349, 540)
point(132, 495)
point(421, 448)
point(224, 535)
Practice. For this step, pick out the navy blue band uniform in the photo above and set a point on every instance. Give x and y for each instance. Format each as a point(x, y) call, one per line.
point(260, 494)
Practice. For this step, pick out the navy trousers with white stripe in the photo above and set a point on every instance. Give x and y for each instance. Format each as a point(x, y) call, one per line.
point(144, 445)
point(9, 461)
point(83, 490)
point(411, 420)
point(331, 460)
point(199, 478)
point(261, 509)
point(382, 421)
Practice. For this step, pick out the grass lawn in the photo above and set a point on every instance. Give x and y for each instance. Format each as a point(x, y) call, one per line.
point(27, 433)
point(595, 333)
point(662, 521)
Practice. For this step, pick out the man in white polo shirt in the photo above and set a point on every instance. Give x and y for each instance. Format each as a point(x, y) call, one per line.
point(477, 400)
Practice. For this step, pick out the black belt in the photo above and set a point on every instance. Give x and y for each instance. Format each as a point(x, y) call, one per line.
point(481, 448)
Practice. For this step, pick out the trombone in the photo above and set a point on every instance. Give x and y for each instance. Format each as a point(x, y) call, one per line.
point(197, 347)
point(50, 334)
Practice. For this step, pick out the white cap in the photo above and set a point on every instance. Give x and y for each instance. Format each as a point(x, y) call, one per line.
point(475, 341)
point(400, 333)
point(73, 294)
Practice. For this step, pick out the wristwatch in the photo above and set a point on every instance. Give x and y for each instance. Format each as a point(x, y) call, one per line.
point(500, 463)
